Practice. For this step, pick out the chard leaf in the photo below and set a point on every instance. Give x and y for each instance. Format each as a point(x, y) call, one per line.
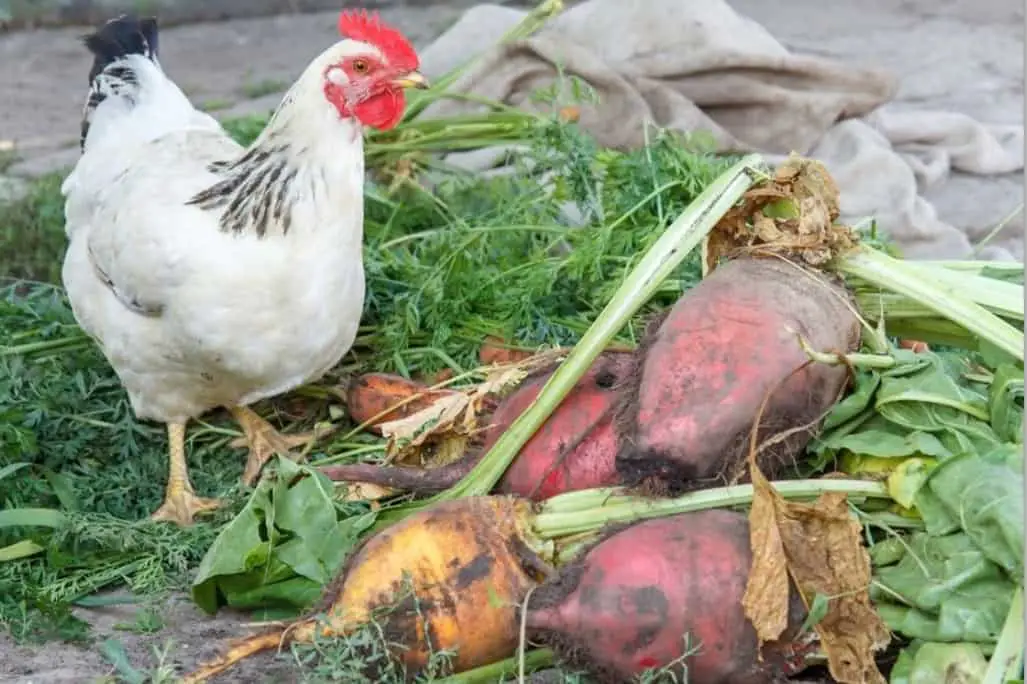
point(284, 546)
point(942, 589)
point(935, 663)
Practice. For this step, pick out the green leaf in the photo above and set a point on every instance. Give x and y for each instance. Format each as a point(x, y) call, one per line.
point(935, 663)
point(908, 479)
point(238, 549)
point(817, 610)
point(31, 517)
point(114, 651)
point(19, 550)
point(889, 441)
point(986, 496)
point(11, 469)
point(1005, 403)
point(282, 548)
point(993, 356)
point(933, 400)
point(62, 490)
point(942, 589)
point(856, 403)
point(782, 209)
point(294, 594)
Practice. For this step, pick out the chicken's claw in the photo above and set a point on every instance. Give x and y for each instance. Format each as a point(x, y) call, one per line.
point(181, 505)
point(180, 501)
point(264, 441)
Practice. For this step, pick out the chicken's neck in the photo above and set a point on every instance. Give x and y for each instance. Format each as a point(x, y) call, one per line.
point(304, 173)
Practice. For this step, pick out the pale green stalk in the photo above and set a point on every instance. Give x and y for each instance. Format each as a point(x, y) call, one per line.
point(554, 520)
point(490, 674)
point(977, 267)
point(532, 22)
point(945, 298)
point(1006, 661)
point(676, 243)
point(1000, 297)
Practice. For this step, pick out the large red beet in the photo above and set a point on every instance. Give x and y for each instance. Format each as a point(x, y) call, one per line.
point(574, 449)
point(629, 603)
point(705, 370)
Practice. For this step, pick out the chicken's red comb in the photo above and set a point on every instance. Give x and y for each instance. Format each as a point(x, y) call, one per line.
point(368, 28)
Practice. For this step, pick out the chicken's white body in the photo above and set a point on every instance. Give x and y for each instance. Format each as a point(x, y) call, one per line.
point(192, 315)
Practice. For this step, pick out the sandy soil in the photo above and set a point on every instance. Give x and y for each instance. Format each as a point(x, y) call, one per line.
point(960, 55)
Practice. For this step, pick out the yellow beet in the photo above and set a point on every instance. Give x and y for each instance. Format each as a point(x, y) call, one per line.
point(456, 573)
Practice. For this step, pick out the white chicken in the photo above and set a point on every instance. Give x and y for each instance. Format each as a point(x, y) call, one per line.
point(216, 275)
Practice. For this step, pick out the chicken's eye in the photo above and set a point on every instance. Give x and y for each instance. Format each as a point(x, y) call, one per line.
point(360, 66)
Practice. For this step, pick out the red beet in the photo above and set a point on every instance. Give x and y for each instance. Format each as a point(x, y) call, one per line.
point(627, 605)
point(707, 367)
point(574, 449)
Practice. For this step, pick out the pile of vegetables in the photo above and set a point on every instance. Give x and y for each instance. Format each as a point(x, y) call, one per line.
point(690, 437)
point(732, 384)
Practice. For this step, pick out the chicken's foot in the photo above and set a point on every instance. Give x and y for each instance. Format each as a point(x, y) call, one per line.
point(180, 501)
point(264, 441)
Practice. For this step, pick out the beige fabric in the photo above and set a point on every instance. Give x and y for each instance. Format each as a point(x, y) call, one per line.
point(698, 64)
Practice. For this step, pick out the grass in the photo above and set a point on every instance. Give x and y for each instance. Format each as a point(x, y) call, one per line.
point(8, 158)
point(32, 233)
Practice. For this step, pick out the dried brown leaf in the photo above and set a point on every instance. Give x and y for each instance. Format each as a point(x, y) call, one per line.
point(450, 419)
point(826, 556)
point(445, 414)
point(820, 547)
point(766, 595)
point(365, 491)
point(792, 214)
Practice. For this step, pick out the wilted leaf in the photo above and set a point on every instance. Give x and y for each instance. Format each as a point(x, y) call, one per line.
point(446, 414)
point(791, 214)
point(456, 414)
point(364, 491)
point(766, 594)
point(820, 546)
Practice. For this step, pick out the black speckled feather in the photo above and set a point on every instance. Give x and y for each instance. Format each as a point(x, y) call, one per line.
point(110, 75)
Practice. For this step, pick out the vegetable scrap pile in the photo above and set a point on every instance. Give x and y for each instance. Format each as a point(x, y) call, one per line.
point(703, 429)
point(766, 485)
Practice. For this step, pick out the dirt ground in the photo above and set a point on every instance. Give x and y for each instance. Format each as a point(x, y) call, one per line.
point(960, 55)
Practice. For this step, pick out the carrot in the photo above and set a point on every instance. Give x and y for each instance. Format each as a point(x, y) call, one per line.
point(377, 398)
point(708, 364)
point(627, 605)
point(494, 350)
point(574, 449)
point(914, 345)
point(452, 576)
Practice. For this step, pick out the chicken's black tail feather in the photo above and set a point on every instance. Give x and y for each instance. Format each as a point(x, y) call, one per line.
point(110, 44)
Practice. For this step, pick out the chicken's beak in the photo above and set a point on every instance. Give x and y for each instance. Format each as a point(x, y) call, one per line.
point(414, 79)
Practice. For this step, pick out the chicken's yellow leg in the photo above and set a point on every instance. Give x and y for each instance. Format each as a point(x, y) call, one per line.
point(180, 501)
point(264, 441)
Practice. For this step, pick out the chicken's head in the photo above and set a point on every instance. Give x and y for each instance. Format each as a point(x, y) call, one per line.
point(366, 72)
